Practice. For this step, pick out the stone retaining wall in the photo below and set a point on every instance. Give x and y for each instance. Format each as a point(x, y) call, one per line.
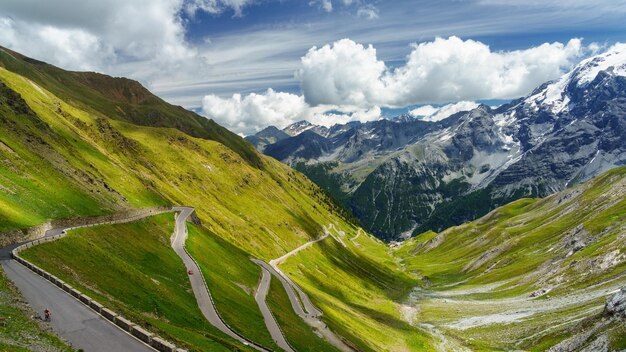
point(39, 231)
point(133, 329)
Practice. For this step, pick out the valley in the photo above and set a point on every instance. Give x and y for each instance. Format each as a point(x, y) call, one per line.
point(528, 274)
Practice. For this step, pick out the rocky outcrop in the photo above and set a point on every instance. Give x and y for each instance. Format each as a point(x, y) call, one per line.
point(601, 344)
point(616, 305)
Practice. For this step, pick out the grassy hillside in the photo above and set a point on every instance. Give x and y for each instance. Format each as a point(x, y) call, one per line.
point(233, 279)
point(122, 99)
point(62, 159)
point(530, 273)
point(297, 332)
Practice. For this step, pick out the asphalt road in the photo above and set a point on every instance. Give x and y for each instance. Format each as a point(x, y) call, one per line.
point(200, 289)
point(72, 320)
point(295, 303)
point(300, 301)
point(80, 326)
point(270, 322)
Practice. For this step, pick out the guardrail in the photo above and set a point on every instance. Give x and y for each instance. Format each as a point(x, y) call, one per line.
point(133, 329)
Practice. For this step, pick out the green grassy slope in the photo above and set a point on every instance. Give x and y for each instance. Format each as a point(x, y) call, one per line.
point(122, 99)
point(107, 164)
point(232, 278)
point(552, 262)
point(297, 332)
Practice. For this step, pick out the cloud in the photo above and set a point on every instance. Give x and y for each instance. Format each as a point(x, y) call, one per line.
point(346, 81)
point(423, 111)
point(66, 47)
point(326, 5)
point(144, 37)
point(439, 71)
point(369, 12)
point(216, 6)
point(431, 113)
point(253, 112)
point(344, 73)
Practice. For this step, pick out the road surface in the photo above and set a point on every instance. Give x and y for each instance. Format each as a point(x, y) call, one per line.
point(200, 289)
point(270, 322)
point(71, 320)
point(300, 301)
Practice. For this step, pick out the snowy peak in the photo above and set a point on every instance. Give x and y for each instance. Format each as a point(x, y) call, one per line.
point(301, 126)
point(298, 127)
point(612, 62)
point(556, 97)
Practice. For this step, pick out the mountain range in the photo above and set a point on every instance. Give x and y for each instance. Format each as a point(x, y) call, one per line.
point(403, 176)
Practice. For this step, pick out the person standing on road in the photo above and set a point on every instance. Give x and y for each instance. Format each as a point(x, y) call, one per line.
point(47, 314)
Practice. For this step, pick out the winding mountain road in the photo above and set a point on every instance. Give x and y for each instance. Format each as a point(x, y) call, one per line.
point(199, 286)
point(82, 327)
point(299, 300)
point(268, 317)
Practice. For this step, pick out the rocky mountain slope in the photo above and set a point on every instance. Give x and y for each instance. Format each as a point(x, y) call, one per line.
point(405, 176)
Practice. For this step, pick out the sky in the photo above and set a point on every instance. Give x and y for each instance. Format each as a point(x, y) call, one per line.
point(253, 63)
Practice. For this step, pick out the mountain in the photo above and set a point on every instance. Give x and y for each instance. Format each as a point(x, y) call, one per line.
point(273, 135)
point(75, 145)
point(405, 176)
point(121, 99)
point(531, 275)
point(269, 135)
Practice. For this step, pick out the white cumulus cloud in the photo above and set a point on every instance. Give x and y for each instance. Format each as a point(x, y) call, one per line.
point(250, 113)
point(144, 39)
point(255, 111)
point(346, 73)
point(439, 71)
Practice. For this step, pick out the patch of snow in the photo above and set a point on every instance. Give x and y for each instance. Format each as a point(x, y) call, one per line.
point(446, 135)
point(555, 96)
point(594, 157)
point(613, 61)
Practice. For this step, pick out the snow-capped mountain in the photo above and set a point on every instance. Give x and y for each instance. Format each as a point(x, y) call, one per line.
point(404, 176)
point(297, 128)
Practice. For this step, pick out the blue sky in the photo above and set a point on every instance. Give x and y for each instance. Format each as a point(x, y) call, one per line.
point(210, 55)
point(503, 25)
